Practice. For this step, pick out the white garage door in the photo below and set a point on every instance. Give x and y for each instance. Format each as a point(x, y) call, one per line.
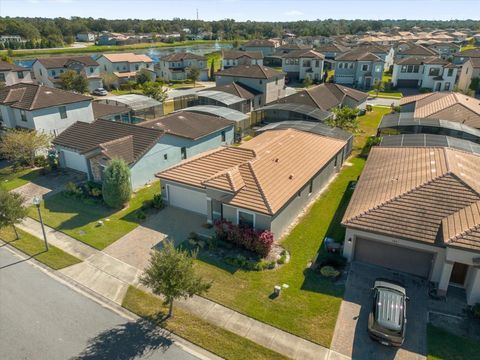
point(74, 161)
point(191, 200)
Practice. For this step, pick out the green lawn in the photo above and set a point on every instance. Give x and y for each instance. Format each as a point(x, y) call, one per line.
point(443, 345)
point(386, 94)
point(386, 77)
point(210, 337)
point(214, 56)
point(33, 246)
point(468, 47)
point(368, 126)
point(11, 179)
point(79, 219)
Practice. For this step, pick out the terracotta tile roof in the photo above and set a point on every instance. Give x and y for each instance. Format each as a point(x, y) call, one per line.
point(28, 96)
point(251, 71)
point(236, 89)
point(63, 61)
point(358, 55)
point(264, 173)
point(419, 50)
point(332, 48)
point(6, 66)
point(187, 124)
point(127, 57)
point(119, 148)
point(104, 134)
point(237, 54)
point(101, 110)
point(182, 56)
point(412, 192)
point(462, 228)
point(310, 54)
point(472, 53)
point(475, 62)
point(446, 105)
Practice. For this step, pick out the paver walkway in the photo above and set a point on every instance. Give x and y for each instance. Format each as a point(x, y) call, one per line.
point(110, 277)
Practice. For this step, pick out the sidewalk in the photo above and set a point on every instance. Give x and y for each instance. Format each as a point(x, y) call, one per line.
point(111, 277)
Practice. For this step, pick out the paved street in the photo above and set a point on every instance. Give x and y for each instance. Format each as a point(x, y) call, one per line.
point(41, 318)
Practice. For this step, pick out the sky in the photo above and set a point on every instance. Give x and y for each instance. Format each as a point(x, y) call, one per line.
point(242, 10)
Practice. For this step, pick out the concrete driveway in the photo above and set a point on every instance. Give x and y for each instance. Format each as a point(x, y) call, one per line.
point(351, 337)
point(171, 223)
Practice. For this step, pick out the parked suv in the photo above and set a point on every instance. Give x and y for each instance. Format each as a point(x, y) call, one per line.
point(387, 320)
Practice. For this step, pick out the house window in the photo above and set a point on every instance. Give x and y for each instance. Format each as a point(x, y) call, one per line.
point(351, 65)
point(20, 74)
point(63, 112)
point(91, 70)
point(223, 136)
point(365, 67)
point(165, 156)
point(447, 86)
point(340, 65)
point(317, 63)
point(183, 152)
point(434, 72)
point(404, 69)
point(335, 162)
point(23, 115)
point(2, 77)
point(54, 73)
point(450, 72)
point(246, 219)
point(307, 63)
point(260, 82)
point(136, 67)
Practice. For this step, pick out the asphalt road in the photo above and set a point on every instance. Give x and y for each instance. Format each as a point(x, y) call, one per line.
point(41, 318)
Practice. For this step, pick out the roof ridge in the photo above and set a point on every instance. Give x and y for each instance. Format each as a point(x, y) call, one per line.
point(249, 163)
point(35, 97)
point(102, 145)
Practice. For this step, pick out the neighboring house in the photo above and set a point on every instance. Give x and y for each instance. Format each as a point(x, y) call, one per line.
point(231, 58)
point(420, 214)
point(332, 50)
point(140, 107)
point(445, 50)
point(48, 70)
point(300, 64)
point(405, 50)
point(269, 82)
point(176, 66)
point(148, 149)
point(470, 70)
point(111, 112)
point(428, 73)
point(235, 96)
point(124, 66)
point(45, 109)
point(266, 47)
point(264, 183)
point(288, 48)
point(463, 56)
point(359, 69)
point(384, 52)
point(443, 105)
point(11, 74)
point(86, 37)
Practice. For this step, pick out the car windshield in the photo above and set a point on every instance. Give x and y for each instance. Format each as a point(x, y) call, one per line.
point(389, 310)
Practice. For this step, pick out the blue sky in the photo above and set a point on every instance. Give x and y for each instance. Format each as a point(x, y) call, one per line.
point(241, 10)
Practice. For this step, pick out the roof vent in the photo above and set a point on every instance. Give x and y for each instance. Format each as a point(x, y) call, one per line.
point(48, 92)
point(276, 160)
point(181, 117)
point(291, 176)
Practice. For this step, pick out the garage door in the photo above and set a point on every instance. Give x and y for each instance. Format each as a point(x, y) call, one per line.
point(73, 160)
point(191, 200)
point(393, 257)
point(407, 83)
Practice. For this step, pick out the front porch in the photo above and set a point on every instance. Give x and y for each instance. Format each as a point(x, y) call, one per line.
point(456, 274)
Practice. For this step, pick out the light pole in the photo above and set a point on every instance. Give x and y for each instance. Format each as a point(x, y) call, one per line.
point(36, 202)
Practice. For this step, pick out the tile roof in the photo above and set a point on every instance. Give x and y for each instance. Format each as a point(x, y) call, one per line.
point(182, 56)
point(237, 54)
point(260, 43)
point(190, 125)
point(6, 66)
point(419, 50)
point(413, 60)
point(63, 61)
point(262, 174)
point(100, 110)
point(475, 62)
point(446, 105)
point(411, 192)
point(323, 48)
point(358, 55)
point(127, 57)
point(469, 53)
point(112, 138)
point(28, 96)
point(236, 89)
point(251, 71)
point(311, 54)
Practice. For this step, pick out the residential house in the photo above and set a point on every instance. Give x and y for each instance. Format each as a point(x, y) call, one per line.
point(125, 66)
point(446, 50)
point(148, 149)
point(300, 64)
point(419, 215)
point(332, 50)
point(384, 52)
point(234, 96)
point(359, 69)
point(462, 56)
point(231, 58)
point(264, 183)
point(288, 48)
point(177, 66)
point(470, 70)
point(431, 73)
point(45, 109)
point(266, 47)
point(409, 49)
point(443, 105)
point(47, 71)
point(269, 82)
point(139, 107)
point(86, 37)
point(11, 74)
point(111, 112)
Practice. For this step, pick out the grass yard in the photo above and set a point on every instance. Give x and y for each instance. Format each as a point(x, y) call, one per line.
point(368, 126)
point(443, 345)
point(215, 56)
point(386, 94)
point(79, 219)
point(210, 337)
point(468, 47)
point(11, 179)
point(34, 247)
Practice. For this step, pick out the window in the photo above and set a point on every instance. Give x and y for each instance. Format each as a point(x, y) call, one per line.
point(434, 72)
point(54, 73)
point(317, 63)
point(246, 219)
point(23, 115)
point(63, 112)
point(136, 67)
point(335, 162)
point(183, 152)
point(2, 77)
point(165, 156)
point(340, 65)
point(447, 86)
point(223, 136)
point(91, 70)
point(365, 67)
point(20, 74)
point(260, 82)
point(404, 69)
point(350, 65)
point(450, 72)
point(307, 63)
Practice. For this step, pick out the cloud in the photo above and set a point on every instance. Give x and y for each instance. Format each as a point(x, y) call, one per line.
point(293, 13)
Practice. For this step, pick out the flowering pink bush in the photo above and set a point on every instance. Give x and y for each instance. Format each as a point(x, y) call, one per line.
point(259, 242)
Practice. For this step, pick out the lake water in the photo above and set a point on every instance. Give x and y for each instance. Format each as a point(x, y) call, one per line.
point(154, 53)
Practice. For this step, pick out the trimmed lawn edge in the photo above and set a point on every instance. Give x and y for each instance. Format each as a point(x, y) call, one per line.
point(447, 345)
point(210, 337)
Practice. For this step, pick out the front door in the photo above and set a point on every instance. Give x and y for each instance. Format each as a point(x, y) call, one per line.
point(438, 86)
point(368, 82)
point(459, 273)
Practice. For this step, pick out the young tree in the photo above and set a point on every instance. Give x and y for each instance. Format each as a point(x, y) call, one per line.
point(378, 86)
point(72, 81)
point(171, 274)
point(109, 81)
point(143, 76)
point(116, 186)
point(155, 91)
point(21, 146)
point(307, 82)
point(344, 118)
point(193, 74)
point(12, 210)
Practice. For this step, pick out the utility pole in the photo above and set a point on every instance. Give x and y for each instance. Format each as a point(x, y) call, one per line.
point(197, 14)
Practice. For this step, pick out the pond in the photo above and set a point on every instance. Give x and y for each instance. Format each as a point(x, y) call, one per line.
point(154, 53)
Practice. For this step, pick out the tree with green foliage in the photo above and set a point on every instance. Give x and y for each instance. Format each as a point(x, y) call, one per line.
point(307, 82)
point(72, 81)
point(109, 81)
point(475, 84)
point(143, 76)
point(193, 74)
point(378, 86)
point(171, 274)
point(116, 185)
point(12, 210)
point(344, 118)
point(154, 90)
point(21, 146)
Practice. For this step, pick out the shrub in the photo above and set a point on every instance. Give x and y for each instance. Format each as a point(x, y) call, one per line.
point(116, 187)
point(369, 107)
point(157, 201)
point(329, 271)
point(140, 215)
point(71, 189)
point(396, 109)
point(476, 310)
point(93, 189)
point(333, 260)
point(282, 260)
point(40, 161)
point(425, 90)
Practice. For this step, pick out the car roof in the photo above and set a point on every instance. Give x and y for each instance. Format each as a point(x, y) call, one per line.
point(390, 284)
point(389, 308)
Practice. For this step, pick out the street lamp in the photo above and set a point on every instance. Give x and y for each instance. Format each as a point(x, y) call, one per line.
point(36, 202)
